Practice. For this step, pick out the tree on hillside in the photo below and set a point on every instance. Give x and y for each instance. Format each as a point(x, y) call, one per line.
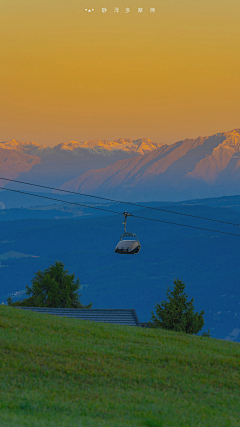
point(53, 287)
point(177, 314)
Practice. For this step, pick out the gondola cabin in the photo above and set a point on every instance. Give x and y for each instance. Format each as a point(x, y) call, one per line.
point(128, 247)
point(129, 243)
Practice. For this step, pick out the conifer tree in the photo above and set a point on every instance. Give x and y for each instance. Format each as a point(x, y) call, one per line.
point(177, 314)
point(53, 287)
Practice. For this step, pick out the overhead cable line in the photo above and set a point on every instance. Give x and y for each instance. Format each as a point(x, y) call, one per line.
point(119, 201)
point(120, 213)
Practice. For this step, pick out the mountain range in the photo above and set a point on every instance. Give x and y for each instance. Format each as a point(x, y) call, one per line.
point(131, 169)
point(202, 167)
point(55, 165)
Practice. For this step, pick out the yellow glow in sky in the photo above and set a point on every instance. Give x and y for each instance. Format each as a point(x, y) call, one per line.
point(67, 74)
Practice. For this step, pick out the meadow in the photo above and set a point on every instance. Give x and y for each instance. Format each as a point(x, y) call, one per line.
point(65, 372)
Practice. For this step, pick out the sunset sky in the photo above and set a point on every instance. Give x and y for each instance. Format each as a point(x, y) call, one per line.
point(67, 74)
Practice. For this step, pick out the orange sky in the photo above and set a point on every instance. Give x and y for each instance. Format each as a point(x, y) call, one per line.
point(71, 75)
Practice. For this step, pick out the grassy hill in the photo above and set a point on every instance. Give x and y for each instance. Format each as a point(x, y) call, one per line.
point(65, 372)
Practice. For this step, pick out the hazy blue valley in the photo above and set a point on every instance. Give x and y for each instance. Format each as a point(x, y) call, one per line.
point(84, 240)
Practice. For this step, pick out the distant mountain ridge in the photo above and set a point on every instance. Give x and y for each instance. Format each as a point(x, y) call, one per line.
point(201, 167)
point(131, 169)
point(65, 161)
point(138, 146)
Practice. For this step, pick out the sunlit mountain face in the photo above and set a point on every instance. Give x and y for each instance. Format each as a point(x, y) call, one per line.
point(13, 163)
point(136, 169)
point(202, 167)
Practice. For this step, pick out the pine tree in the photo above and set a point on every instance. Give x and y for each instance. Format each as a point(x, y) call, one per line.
point(53, 287)
point(177, 314)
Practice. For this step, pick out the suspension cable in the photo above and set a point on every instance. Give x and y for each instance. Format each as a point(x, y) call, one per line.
point(120, 201)
point(120, 213)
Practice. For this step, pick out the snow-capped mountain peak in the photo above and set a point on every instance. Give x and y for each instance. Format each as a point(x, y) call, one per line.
point(104, 147)
point(32, 148)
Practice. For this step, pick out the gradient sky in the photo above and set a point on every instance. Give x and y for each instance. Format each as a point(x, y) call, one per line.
point(67, 74)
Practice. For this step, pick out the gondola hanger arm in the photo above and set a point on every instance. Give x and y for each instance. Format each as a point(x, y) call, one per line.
point(125, 214)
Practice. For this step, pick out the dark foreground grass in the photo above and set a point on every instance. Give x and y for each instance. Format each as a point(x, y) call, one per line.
point(58, 372)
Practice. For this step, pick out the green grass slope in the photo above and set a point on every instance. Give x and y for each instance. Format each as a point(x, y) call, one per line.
point(65, 372)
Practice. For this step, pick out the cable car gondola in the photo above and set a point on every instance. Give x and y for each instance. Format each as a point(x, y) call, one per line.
point(126, 245)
